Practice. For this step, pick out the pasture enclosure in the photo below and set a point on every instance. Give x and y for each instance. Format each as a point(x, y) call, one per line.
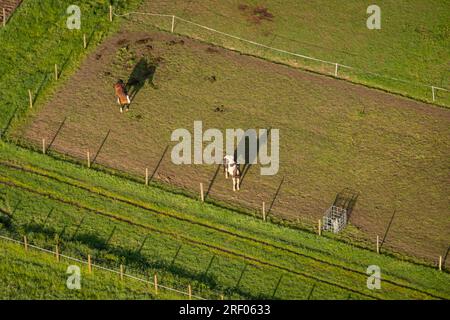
point(37, 266)
point(149, 230)
point(407, 56)
point(392, 150)
point(333, 134)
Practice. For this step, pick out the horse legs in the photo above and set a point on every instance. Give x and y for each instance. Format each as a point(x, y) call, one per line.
point(127, 107)
point(234, 184)
point(226, 170)
point(118, 102)
point(238, 182)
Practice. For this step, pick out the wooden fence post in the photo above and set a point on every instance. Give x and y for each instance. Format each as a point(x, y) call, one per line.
point(440, 263)
point(264, 211)
point(4, 17)
point(43, 146)
point(378, 244)
point(320, 227)
point(336, 70)
point(89, 264)
point(30, 96)
point(56, 71)
point(84, 41)
point(173, 23)
point(155, 281)
point(190, 292)
point(88, 155)
point(110, 13)
point(121, 272)
point(25, 242)
point(146, 176)
point(57, 252)
point(432, 91)
point(202, 196)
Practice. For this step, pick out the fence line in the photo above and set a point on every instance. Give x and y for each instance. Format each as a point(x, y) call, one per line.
point(335, 64)
point(100, 267)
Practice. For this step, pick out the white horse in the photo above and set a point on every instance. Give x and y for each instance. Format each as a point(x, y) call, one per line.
point(231, 167)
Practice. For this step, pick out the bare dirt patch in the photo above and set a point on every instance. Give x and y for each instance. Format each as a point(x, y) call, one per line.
point(256, 14)
point(395, 153)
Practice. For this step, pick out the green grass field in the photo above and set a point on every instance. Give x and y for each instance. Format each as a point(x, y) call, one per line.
point(156, 228)
point(413, 43)
point(333, 134)
point(216, 250)
point(34, 274)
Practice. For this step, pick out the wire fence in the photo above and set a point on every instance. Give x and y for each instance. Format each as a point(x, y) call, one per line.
point(431, 93)
point(92, 265)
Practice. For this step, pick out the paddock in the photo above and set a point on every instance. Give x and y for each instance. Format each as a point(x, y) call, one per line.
point(333, 134)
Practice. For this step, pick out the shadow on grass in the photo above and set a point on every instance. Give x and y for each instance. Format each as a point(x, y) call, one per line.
point(8, 123)
point(135, 260)
point(346, 199)
point(142, 72)
point(248, 160)
point(444, 261)
point(275, 197)
point(388, 228)
point(212, 181)
point(6, 221)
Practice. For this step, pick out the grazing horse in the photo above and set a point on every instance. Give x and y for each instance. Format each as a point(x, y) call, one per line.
point(231, 167)
point(122, 96)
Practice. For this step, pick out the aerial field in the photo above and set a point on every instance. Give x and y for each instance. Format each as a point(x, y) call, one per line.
point(390, 151)
point(333, 134)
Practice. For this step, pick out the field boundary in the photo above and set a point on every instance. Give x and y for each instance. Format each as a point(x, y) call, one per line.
point(174, 18)
point(291, 251)
point(140, 205)
point(434, 89)
point(124, 274)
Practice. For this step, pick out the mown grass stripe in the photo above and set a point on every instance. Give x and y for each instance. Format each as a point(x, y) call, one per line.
point(178, 236)
point(116, 197)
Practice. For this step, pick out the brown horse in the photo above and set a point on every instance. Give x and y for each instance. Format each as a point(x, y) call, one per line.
point(122, 96)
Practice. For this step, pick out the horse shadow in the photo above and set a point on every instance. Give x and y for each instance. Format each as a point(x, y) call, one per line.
point(143, 72)
point(260, 141)
point(347, 199)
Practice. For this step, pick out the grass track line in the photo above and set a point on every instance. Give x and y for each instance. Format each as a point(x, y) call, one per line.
point(256, 261)
point(111, 196)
